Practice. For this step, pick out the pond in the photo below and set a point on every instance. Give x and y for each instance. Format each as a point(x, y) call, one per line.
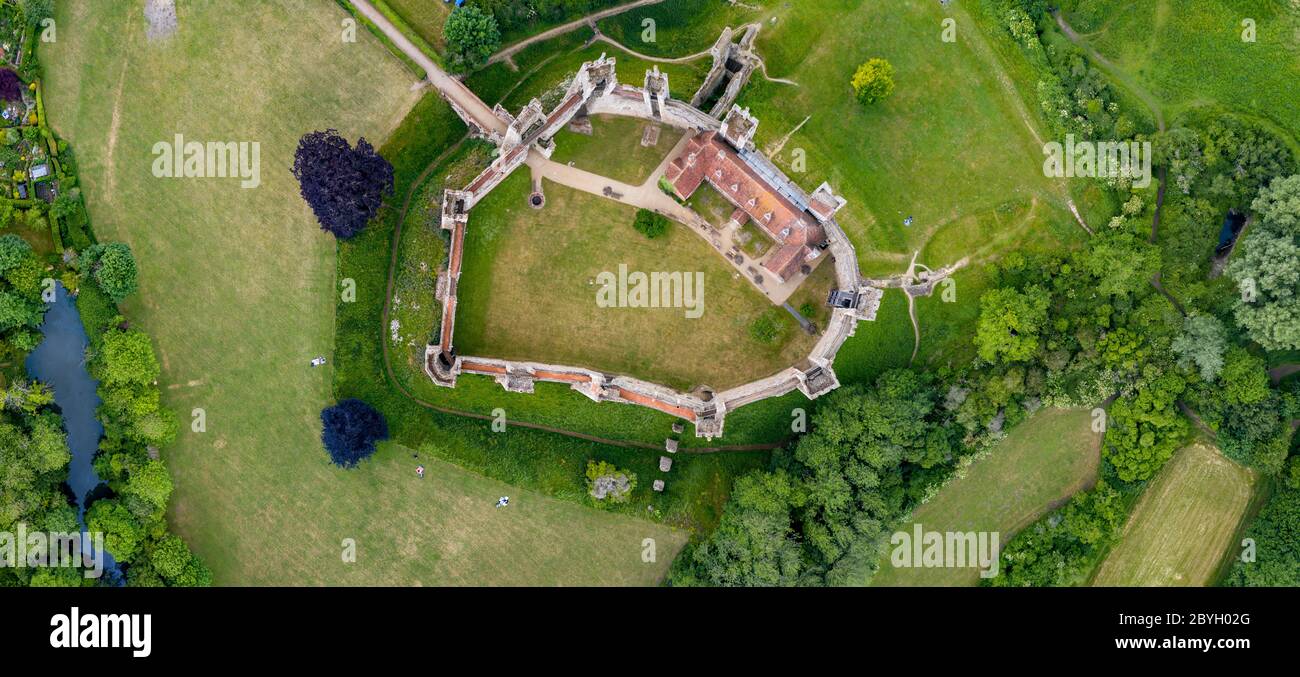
point(60, 362)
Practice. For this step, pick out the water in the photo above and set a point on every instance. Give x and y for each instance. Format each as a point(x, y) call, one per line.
point(60, 362)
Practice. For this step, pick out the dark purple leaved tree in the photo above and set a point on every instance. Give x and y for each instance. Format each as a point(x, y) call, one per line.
point(349, 431)
point(344, 185)
point(11, 86)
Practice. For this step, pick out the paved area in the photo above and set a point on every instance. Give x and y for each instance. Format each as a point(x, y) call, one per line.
point(649, 196)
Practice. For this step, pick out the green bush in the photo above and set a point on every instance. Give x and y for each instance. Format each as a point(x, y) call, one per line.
point(650, 224)
point(765, 328)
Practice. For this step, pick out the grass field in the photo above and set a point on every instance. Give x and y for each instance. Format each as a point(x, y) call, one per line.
point(1189, 55)
point(238, 291)
point(528, 292)
point(1043, 461)
point(681, 27)
point(1180, 529)
point(614, 148)
point(951, 123)
point(425, 17)
point(445, 530)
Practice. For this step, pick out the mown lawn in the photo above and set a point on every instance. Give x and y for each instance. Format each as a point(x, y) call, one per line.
point(529, 292)
point(238, 290)
point(1184, 523)
point(614, 148)
point(1042, 462)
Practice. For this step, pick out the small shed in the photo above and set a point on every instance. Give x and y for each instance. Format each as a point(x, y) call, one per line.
point(671, 446)
point(665, 464)
point(659, 485)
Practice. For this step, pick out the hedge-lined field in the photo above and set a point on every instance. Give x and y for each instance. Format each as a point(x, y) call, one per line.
point(1042, 462)
point(1184, 523)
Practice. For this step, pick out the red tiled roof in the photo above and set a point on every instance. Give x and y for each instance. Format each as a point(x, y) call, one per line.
point(785, 261)
point(560, 376)
point(708, 158)
point(647, 401)
point(821, 208)
point(482, 368)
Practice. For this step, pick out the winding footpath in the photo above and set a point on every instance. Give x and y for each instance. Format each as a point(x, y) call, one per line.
point(591, 19)
point(986, 54)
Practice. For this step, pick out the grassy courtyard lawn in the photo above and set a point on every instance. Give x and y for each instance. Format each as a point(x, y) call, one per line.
point(1192, 54)
point(614, 148)
point(814, 292)
point(710, 204)
point(1182, 526)
point(1042, 462)
point(529, 293)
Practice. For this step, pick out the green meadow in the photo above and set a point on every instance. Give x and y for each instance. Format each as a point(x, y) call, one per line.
point(239, 291)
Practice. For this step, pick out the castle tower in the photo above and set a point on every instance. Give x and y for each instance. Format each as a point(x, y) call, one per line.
point(739, 127)
point(656, 91)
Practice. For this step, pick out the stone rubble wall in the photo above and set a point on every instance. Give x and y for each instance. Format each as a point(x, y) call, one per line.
point(628, 101)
